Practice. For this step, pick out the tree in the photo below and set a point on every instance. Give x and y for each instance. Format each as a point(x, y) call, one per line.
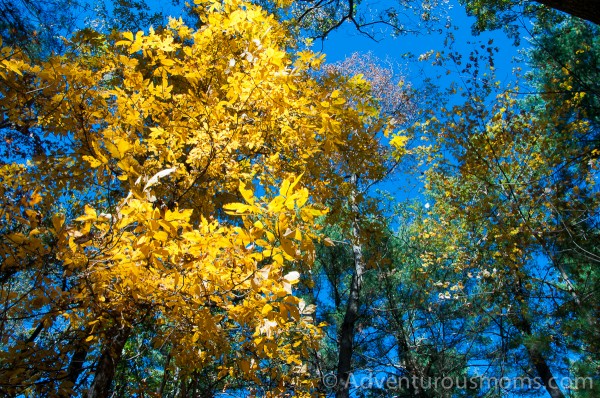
point(581, 9)
point(426, 335)
point(133, 218)
point(39, 27)
point(35, 27)
point(363, 162)
point(565, 56)
point(565, 63)
point(505, 14)
point(318, 18)
point(519, 187)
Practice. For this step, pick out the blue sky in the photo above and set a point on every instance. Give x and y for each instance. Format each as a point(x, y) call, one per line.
point(346, 40)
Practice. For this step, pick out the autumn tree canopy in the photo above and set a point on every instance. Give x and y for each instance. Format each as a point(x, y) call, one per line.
point(196, 208)
point(131, 211)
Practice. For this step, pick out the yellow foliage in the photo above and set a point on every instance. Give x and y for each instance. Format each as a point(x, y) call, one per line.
point(143, 200)
point(181, 187)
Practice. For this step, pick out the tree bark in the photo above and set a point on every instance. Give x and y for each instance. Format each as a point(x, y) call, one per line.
point(348, 326)
point(404, 353)
point(522, 323)
point(539, 362)
point(584, 9)
point(107, 364)
point(543, 370)
point(165, 377)
point(75, 367)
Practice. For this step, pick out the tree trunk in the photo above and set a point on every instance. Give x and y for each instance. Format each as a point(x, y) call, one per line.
point(521, 322)
point(584, 9)
point(404, 354)
point(75, 367)
point(107, 364)
point(539, 362)
point(348, 326)
point(165, 377)
point(543, 370)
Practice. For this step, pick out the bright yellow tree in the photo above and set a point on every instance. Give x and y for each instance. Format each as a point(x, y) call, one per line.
point(129, 211)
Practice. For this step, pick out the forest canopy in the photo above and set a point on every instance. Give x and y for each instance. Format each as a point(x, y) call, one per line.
point(197, 206)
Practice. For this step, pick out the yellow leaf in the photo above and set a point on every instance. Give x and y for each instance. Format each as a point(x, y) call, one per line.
point(288, 185)
point(288, 247)
point(302, 197)
point(246, 191)
point(237, 208)
point(161, 235)
point(35, 198)
point(245, 366)
point(308, 213)
point(285, 187)
point(57, 221)
point(90, 214)
point(270, 236)
point(267, 309)
point(92, 161)
point(123, 147)
point(276, 204)
point(113, 150)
